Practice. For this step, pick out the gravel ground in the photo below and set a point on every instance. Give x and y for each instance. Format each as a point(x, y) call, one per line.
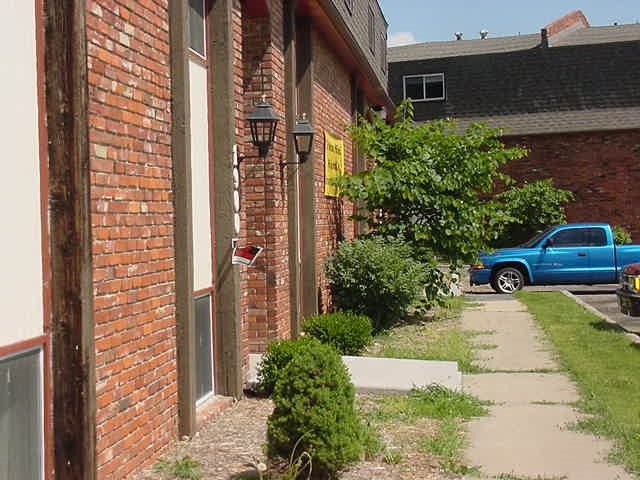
point(229, 444)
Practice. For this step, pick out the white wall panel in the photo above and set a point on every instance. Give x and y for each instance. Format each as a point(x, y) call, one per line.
point(200, 176)
point(20, 213)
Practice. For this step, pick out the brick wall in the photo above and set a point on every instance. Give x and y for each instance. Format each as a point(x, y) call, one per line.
point(602, 169)
point(265, 286)
point(573, 19)
point(332, 113)
point(132, 221)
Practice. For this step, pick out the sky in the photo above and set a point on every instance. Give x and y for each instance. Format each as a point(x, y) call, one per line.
point(413, 21)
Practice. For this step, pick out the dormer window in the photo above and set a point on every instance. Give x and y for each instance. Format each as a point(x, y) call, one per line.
point(424, 88)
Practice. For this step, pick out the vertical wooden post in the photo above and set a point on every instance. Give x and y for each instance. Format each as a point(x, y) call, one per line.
point(304, 73)
point(73, 352)
point(183, 228)
point(229, 365)
point(292, 171)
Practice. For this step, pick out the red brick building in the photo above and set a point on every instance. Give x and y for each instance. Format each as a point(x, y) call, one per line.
point(133, 178)
point(569, 94)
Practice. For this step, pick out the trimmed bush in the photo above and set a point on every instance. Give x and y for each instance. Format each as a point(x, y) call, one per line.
point(347, 332)
point(275, 359)
point(315, 411)
point(376, 277)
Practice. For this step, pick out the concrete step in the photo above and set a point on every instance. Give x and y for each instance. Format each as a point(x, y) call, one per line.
point(387, 375)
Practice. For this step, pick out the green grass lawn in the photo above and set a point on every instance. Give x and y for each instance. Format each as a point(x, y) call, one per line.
point(435, 336)
point(448, 408)
point(603, 362)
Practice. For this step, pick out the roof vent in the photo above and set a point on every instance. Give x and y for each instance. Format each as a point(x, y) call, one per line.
point(544, 38)
point(458, 35)
point(484, 33)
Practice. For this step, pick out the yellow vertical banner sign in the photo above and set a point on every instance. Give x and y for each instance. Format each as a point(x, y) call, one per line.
point(333, 163)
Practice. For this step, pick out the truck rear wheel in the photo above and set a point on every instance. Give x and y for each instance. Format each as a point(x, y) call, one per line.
point(507, 280)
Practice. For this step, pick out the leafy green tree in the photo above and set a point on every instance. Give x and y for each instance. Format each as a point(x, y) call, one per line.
point(531, 208)
point(431, 183)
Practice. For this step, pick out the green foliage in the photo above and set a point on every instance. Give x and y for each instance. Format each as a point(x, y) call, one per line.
point(449, 407)
point(347, 332)
point(430, 183)
point(315, 410)
point(621, 236)
point(375, 277)
point(433, 401)
point(185, 468)
point(531, 208)
point(275, 359)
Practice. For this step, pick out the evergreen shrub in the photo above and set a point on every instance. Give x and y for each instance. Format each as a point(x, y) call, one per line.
point(315, 411)
point(275, 359)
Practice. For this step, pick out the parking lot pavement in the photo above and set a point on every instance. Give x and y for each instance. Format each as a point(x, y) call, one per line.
point(601, 298)
point(606, 303)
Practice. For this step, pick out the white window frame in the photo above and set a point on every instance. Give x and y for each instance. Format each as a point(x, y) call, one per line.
point(424, 77)
point(202, 55)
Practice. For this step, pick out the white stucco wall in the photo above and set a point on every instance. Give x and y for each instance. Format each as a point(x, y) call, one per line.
point(21, 314)
point(202, 276)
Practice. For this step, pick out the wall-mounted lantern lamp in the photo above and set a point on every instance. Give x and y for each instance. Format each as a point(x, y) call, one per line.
point(262, 123)
point(303, 138)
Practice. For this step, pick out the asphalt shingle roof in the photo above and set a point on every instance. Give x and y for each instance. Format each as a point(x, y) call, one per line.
point(457, 48)
point(587, 79)
point(603, 119)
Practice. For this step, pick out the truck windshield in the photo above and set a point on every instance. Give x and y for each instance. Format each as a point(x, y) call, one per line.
point(533, 242)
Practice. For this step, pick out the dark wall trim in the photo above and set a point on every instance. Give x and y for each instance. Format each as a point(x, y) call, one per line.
point(292, 170)
point(304, 80)
point(73, 349)
point(228, 365)
point(183, 228)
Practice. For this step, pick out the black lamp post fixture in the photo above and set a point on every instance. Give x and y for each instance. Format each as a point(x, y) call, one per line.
point(303, 137)
point(263, 122)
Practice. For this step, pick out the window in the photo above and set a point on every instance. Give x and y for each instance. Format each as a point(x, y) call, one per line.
point(204, 364)
point(372, 31)
point(196, 26)
point(596, 237)
point(420, 88)
point(572, 237)
point(21, 437)
point(383, 52)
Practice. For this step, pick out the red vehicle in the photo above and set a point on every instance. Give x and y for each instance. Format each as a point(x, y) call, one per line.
point(629, 292)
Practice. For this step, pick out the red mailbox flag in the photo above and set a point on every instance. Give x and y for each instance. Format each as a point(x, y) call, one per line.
point(245, 255)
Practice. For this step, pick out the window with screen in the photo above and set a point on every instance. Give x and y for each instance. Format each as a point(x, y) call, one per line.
point(21, 434)
point(204, 356)
point(196, 26)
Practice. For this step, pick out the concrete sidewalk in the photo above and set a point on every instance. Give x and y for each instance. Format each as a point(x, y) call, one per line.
point(526, 433)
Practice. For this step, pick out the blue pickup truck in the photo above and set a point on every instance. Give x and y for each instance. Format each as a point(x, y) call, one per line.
point(575, 253)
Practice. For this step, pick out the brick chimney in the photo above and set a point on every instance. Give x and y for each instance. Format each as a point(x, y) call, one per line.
point(571, 21)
